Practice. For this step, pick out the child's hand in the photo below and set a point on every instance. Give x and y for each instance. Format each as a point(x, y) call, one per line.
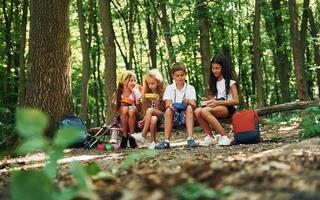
point(172, 108)
point(212, 103)
point(186, 101)
point(138, 101)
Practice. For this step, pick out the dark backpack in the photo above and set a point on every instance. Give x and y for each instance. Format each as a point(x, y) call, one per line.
point(246, 128)
point(75, 122)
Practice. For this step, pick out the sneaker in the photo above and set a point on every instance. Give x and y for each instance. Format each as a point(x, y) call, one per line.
point(152, 145)
point(138, 137)
point(208, 140)
point(191, 143)
point(124, 142)
point(132, 142)
point(163, 145)
point(224, 141)
point(114, 136)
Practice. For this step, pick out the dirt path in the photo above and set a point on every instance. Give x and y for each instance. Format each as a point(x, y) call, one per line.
point(282, 167)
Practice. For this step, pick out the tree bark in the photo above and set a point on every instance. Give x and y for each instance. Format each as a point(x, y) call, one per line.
point(203, 10)
point(167, 31)
point(281, 55)
point(297, 54)
point(130, 32)
point(314, 32)
point(303, 29)
point(152, 34)
point(85, 46)
point(257, 56)
point(22, 76)
point(110, 55)
point(49, 76)
point(287, 107)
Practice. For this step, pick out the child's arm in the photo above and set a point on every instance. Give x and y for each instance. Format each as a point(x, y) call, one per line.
point(231, 102)
point(190, 102)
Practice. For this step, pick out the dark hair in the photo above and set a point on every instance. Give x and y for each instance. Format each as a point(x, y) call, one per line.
point(177, 66)
point(226, 71)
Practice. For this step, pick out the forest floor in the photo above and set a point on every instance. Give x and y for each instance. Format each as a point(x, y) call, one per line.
point(281, 167)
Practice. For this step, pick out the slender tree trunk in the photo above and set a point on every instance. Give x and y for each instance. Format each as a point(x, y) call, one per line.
point(314, 32)
point(130, 32)
point(281, 55)
point(49, 77)
point(167, 31)
point(85, 62)
point(203, 10)
point(303, 29)
point(8, 50)
point(152, 34)
point(297, 54)
point(110, 55)
point(257, 56)
point(22, 79)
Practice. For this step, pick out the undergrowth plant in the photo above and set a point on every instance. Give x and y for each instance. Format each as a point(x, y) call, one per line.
point(311, 122)
point(40, 183)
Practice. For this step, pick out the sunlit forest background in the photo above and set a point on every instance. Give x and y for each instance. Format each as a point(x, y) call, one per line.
point(273, 46)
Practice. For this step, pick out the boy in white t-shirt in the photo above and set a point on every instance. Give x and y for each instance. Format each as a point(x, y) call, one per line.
point(180, 100)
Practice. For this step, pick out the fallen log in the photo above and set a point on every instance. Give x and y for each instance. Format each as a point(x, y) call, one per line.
point(287, 107)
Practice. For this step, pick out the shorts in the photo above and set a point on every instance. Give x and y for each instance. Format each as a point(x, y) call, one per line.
point(179, 119)
point(231, 110)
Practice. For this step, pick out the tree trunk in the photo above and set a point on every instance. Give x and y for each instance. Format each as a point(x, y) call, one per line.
point(85, 46)
point(8, 50)
point(303, 29)
point(257, 56)
point(314, 32)
point(297, 54)
point(130, 32)
point(49, 77)
point(110, 55)
point(281, 55)
point(152, 34)
point(287, 107)
point(167, 31)
point(22, 76)
point(203, 10)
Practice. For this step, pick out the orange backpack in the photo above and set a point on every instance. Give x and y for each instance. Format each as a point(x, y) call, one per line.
point(246, 127)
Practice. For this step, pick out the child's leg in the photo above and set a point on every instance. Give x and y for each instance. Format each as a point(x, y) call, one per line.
point(147, 120)
point(153, 128)
point(123, 111)
point(168, 120)
point(202, 122)
point(132, 120)
point(189, 120)
point(210, 114)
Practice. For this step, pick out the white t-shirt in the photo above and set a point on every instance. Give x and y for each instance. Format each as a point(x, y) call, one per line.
point(176, 96)
point(221, 87)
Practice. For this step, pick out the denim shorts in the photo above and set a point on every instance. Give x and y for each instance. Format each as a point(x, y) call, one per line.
point(179, 119)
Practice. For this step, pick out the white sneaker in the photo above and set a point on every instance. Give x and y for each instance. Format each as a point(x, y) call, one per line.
point(114, 136)
point(208, 140)
point(224, 140)
point(152, 145)
point(138, 137)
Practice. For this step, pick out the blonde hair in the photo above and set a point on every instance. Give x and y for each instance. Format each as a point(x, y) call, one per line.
point(153, 73)
point(116, 97)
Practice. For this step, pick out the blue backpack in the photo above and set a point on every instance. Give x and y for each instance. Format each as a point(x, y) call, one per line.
point(75, 122)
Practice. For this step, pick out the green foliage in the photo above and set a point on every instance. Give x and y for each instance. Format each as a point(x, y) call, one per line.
point(133, 157)
point(194, 191)
point(282, 118)
point(311, 122)
point(8, 137)
point(38, 183)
